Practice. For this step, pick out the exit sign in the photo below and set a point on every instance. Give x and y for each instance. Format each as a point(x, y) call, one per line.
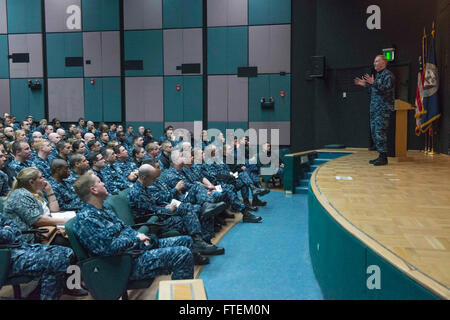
point(389, 54)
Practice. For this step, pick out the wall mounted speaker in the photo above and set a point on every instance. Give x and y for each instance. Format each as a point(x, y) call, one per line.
point(317, 67)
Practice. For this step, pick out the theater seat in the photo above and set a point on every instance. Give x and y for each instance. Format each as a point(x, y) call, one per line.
point(5, 263)
point(120, 205)
point(106, 278)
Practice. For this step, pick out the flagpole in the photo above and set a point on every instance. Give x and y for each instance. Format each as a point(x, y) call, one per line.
point(425, 149)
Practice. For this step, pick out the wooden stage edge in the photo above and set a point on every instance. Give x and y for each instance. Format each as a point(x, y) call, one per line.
point(400, 211)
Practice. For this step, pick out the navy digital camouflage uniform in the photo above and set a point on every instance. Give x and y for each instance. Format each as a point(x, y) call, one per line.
point(17, 166)
point(53, 154)
point(43, 166)
point(162, 192)
point(72, 177)
point(65, 194)
point(24, 209)
point(103, 234)
point(49, 263)
point(113, 180)
point(194, 192)
point(252, 169)
point(196, 174)
point(381, 106)
point(148, 200)
point(99, 174)
point(126, 167)
point(4, 186)
point(241, 183)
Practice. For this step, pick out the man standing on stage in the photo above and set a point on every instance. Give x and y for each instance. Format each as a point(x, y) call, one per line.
point(381, 105)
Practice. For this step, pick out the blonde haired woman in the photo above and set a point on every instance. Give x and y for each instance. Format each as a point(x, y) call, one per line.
point(20, 135)
point(26, 206)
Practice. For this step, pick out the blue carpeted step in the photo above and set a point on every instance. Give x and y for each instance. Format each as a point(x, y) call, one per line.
point(304, 182)
point(308, 175)
point(331, 155)
point(320, 161)
point(301, 190)
point(313, 167)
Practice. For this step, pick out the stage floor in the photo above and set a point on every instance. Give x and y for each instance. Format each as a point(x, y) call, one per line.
point(401, 211)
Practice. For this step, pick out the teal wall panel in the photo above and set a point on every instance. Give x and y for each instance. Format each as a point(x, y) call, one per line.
point(102, 100)
point(182, 14)
point(173, 99)
point(193, 98)
point(186, 104)
point(93, 99)
point(269, 86)
point(25, 101)
point(24, 16)
point(4, 63)
point(146, 46)
point(112, 100)
point(227, 49)
point(390, 286)
point(100, 15)
point(60, 46)
point(269, 11)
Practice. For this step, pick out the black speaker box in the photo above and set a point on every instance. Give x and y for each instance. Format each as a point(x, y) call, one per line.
point(317, 67)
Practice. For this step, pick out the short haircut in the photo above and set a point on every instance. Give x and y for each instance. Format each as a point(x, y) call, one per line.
point(74, 159)
point(92, 157)
point(60, 145)
point(76, 144)
point(151, 146)
point(105, 152)
point(116, 148)
point(57, 164)
point(165, 144)
point(38, 145)
point(17, 146)
point(144, 170)
point(83, 184)
point(91, 143)
point(136, 137)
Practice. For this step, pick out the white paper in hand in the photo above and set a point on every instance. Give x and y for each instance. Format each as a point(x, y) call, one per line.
point(176, 202)
point(63, 215)
point(218, 188)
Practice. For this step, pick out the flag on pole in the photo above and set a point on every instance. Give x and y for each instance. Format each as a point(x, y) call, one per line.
point(430, 89)
point(419, 90)
point(419, 98)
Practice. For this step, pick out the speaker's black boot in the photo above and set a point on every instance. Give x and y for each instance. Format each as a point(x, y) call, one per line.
point(382, 160)
point(373, 161)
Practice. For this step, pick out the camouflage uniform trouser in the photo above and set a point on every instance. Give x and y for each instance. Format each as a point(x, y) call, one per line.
point(50, 263)
point(379, 122)
point(231, 198)
point(173, 255)
point(196, 197)
point(253, 172)
point(190, 221)
point(186, 221)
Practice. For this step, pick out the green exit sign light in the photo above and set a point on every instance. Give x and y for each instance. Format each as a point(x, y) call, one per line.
point(389, 54)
